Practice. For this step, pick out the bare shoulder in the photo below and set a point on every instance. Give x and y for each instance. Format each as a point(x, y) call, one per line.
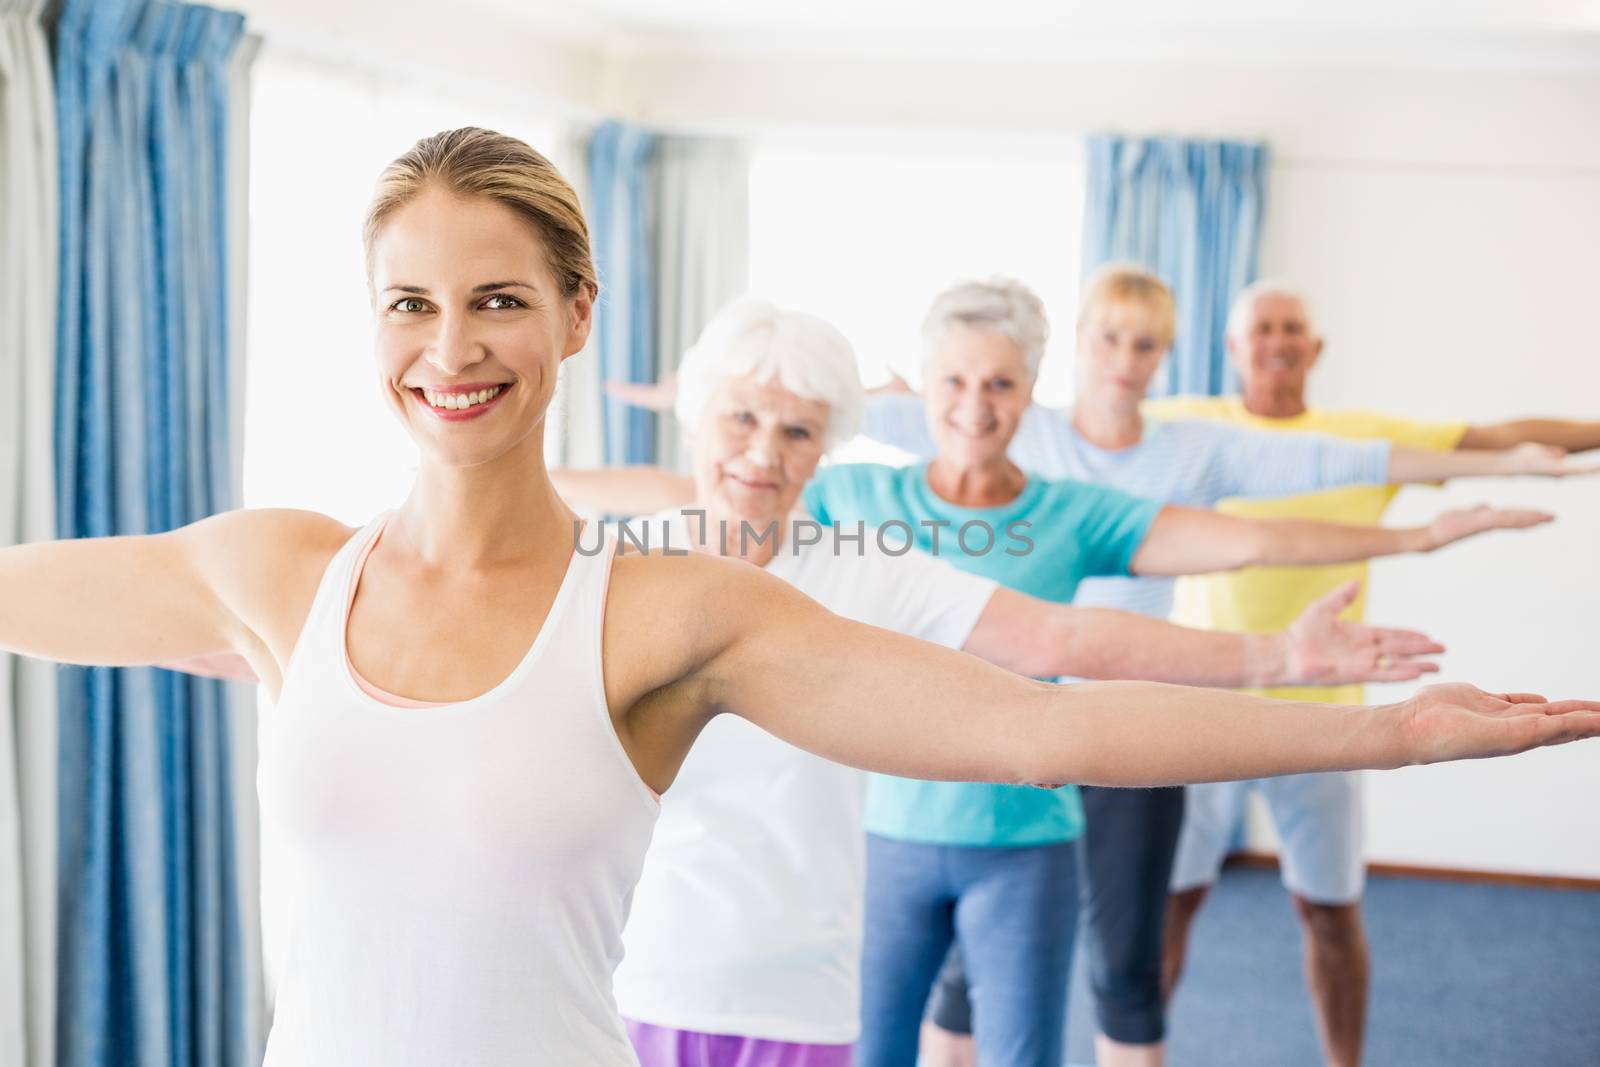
point(668, 615)
point(671, 624)
point(267, 543)
point(266, 566)
point(693, 585)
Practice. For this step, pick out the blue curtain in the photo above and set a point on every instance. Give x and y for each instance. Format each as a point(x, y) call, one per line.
point(150, 937)
point(1190, 212)
point(621, 192)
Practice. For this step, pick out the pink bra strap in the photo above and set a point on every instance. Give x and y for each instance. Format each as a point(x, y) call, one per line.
point(381, 695)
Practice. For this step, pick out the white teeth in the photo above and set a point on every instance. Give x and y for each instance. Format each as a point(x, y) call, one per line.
point(460, 401)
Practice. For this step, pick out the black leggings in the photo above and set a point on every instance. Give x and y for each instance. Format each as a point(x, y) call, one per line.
point(1126, 853)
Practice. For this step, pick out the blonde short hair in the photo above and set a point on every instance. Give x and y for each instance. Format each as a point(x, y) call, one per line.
point(478, 162)
point(1117, 283)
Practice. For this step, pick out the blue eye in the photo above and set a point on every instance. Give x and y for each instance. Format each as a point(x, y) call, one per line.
point(799, 433)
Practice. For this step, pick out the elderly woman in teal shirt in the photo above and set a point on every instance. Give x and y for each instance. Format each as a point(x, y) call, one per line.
point(996, 863)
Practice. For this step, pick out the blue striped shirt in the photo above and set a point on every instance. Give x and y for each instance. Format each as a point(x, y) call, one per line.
point(1195, 463)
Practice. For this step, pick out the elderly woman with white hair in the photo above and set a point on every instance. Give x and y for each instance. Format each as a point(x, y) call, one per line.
point(729, 947)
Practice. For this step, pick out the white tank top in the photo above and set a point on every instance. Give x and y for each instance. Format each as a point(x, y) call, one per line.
point(460, 874)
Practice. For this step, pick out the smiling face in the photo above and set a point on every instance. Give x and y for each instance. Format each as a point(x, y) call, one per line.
point(755, 447)
point(1273, 348)
point(471, 326)
point(1120, 347)
point(978, 388)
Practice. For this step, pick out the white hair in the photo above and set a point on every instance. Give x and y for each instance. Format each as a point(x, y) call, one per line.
point(1004, 305)
point(755, 337)
point(1239, 313)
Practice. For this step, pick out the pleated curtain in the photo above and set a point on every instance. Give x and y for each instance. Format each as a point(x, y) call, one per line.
point(28, 220)
point(1190, 212)
point(152, 967)
point(669, 221)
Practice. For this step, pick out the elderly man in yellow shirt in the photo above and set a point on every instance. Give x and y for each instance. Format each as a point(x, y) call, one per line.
point(1273, 346)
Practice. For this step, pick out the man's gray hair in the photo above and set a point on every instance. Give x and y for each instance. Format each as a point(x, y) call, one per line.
point(1239, 313)
point(1004, 305)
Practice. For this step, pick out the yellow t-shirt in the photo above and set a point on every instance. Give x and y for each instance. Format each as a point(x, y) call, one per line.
point(1267, 599)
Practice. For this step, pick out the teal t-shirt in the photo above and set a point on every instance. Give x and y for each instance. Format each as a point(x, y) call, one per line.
point(1043, 543)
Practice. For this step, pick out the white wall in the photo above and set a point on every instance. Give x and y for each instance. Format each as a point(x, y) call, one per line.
point(1445, 222)
point(504, 62)
point(1470, 294)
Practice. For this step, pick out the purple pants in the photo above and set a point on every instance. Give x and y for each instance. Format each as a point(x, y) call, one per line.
point(661, 1046)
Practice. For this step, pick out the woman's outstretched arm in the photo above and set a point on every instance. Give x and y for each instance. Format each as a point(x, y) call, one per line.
point(233, 585)
point(1041, 639)
point(1536, 460)
point(1197, 541)
point(757, 648)
point(632, 490)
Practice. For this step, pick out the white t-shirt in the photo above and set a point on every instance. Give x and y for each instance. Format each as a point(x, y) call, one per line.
point(747, 919)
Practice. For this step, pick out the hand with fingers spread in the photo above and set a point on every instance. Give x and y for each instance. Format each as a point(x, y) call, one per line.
point(1453, 526)
point(652, 396)
point(1324, 649)
point(1456, 721)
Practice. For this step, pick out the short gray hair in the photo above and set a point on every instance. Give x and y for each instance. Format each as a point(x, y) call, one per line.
point(1003, 305)
point(805, 354)
point(1239, 313)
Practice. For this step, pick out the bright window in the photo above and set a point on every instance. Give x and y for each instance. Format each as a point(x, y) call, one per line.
point(317, 432)
point(866, 237)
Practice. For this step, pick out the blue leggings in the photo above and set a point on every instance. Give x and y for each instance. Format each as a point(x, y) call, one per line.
point(1126, 852)
point(1014, 912)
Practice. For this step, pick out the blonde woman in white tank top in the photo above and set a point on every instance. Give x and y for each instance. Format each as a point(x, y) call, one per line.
point(462, 865)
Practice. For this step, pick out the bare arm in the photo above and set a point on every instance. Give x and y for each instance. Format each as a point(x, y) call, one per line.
point(1425, 465)
point(1198, 541)
point(1562, 433)
point(652, 396)
point(635, 490)
point(231, 587)
point(1040, 639)
point(883, 702)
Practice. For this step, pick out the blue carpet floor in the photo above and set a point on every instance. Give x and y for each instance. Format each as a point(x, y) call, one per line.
point(1462, 976)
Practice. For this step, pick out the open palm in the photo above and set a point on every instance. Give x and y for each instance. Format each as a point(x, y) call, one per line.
point(1457, 721)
